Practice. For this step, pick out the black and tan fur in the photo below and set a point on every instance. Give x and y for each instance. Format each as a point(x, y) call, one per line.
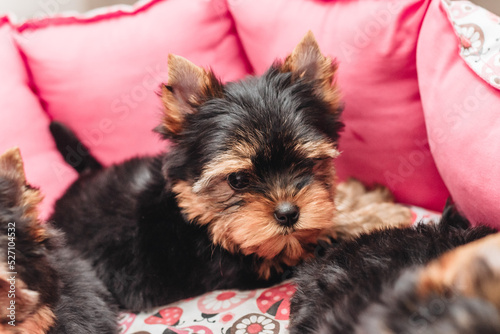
point(398, 281)
point(244, 193)
point(44, 286)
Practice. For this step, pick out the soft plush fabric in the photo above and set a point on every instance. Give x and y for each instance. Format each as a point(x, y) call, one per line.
point(374, 41)
point(462, 115)
point(99, 73)
point(24, 124)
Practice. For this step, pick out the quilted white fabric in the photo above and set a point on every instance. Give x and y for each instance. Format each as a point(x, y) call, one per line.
point(478, 33)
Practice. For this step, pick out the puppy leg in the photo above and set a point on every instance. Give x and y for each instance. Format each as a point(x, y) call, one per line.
point(472, 270)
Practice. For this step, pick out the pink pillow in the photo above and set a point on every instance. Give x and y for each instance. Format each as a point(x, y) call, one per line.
point(385, 139)
point(462, 114)
point(24, 124)
point(99, 73)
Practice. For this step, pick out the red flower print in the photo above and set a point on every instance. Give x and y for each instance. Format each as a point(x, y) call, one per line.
point(221, 301)
point(276, 301)
point(167, 316)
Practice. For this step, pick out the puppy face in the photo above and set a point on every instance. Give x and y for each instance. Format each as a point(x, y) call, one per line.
point(252, 160)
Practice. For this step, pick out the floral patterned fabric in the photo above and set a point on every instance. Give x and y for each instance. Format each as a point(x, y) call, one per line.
point(478, 32)
point(262, 311)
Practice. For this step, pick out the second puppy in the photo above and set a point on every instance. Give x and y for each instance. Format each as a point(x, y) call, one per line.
point(379, 282)
point(44, 286)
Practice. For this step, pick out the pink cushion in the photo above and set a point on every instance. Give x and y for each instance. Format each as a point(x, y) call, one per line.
point(462, 113)
point(24, 124)
point(99, 74)
point(385, 139)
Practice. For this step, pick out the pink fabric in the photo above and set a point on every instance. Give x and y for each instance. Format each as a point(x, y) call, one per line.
point(100, 74)
point(385, 139)
point(24, 124)
point(462, 114)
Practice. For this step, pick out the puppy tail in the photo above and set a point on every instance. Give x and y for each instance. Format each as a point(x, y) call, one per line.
point(452, 217)
point(74, 152)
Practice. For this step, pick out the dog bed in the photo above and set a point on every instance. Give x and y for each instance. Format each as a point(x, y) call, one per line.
point(401, 64)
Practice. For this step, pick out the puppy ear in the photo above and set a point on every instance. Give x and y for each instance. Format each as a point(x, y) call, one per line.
point(11, 165)
point(12, 168)
point(188, 87)
point(306, 62)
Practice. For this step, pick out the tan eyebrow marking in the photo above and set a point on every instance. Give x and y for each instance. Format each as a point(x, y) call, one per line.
point(236, 159)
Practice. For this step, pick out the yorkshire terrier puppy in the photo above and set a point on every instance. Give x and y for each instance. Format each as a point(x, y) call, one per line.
point(245, 191)
point(457, 293)
point(44, 287)
point(385, 282)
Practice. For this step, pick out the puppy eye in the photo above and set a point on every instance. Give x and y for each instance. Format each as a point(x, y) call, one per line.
point(238, 180)
point(304, 182)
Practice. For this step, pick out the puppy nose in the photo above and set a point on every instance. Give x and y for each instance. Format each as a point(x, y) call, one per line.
point(286, 214)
